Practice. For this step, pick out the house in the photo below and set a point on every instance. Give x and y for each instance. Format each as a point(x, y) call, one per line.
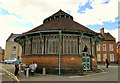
point(12, 49)
point(107, 48)
point(60, 43)
point(118, 51)
point(1, 54)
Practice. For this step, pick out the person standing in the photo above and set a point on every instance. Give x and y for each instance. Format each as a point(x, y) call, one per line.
point(107, 62)
point(17, 62)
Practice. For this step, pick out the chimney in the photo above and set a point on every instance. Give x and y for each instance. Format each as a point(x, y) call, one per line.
point(102, 31)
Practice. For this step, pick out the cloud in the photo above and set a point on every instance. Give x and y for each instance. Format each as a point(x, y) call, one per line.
point(21, 13)
point(99, 13)
point(33, 12)
point(7, 27)
point(36, 11)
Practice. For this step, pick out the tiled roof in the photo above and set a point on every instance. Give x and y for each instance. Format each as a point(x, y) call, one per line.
point(61, 23)
point(108, 37)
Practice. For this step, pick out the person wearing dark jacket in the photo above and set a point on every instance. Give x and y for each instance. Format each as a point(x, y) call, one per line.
point(17, 62)
point(107, 62)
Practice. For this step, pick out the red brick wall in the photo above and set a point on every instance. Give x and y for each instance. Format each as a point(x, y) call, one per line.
point(1, 57)
point(108, 52)
point(94, 63)
point(118, 53)
point(50, 62)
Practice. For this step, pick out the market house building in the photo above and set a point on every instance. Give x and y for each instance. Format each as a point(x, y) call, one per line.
point(60, 43)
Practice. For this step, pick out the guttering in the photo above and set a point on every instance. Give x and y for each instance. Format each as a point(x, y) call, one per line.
point(23, 35)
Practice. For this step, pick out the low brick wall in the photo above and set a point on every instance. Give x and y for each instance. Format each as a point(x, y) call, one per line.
point(51, 62)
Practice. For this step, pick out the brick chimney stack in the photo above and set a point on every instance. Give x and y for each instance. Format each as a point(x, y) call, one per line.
point(102, 31)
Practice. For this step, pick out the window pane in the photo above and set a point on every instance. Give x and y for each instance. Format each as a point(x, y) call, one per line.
point(104, 47)
point(111, 47)
point(14, 48)
point(36, 46)
point(98, 57)
point(70, 45)
point(98, 47)
point(52, 45)
point(104, 57)
point(111, 57)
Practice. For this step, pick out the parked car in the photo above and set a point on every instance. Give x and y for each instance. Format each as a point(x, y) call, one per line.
point(9, 61)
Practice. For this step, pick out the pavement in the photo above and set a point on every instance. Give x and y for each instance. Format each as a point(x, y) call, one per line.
point(40, 77)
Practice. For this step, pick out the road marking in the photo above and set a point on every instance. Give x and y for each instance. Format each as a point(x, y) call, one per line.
point(11, 74)
point(75, 76)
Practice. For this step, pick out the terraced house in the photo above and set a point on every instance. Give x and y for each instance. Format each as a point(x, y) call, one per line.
point(60, 43)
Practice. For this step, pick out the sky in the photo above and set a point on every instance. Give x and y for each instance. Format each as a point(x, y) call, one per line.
point(19, 16)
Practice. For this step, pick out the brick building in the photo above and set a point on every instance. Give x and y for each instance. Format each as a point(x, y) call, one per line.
point(1, 54)
point(60, 43)
point(118, 51)
point(12, 49)
point(107, 48)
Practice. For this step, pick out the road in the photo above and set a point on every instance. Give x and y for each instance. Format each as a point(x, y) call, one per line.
point(4, 77)
point(109, 74)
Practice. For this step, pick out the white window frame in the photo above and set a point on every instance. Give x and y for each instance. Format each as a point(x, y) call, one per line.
point(111, 47)
point(98, 47)
point(98, 57)
point(104, 47)
point(104, 57)
point(112, 57)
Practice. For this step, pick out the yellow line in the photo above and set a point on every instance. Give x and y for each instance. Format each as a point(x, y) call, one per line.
point(15, 77)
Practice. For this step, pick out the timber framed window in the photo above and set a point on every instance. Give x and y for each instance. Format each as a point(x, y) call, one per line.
point(52, 45)
point(70, 45)
point(36, 46)
point(27, 47)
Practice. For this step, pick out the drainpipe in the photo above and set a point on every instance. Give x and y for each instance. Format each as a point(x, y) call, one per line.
point(42, 43)
point(59, 58)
